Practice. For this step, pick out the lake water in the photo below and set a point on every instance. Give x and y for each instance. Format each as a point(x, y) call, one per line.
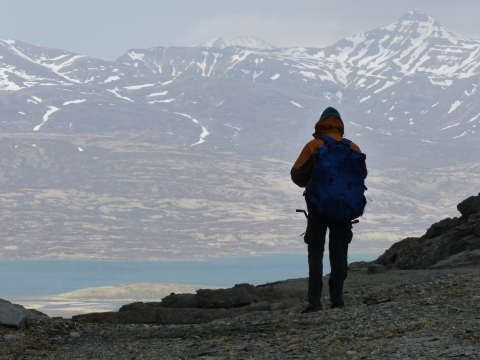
point(47, 277)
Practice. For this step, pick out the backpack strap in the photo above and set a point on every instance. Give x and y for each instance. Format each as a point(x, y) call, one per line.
point(326, 139)
point(329, 140)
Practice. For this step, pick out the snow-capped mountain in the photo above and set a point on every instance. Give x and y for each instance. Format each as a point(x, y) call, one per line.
point(409, 72)
point(244, 41)
point(412, 72)
point(164, 131)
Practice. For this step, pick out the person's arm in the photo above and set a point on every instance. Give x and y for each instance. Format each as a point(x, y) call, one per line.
point(302, 170)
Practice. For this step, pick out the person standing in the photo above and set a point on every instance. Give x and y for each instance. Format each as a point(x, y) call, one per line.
point(329, 130)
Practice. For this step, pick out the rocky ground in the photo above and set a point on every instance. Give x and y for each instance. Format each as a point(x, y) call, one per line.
point(433, 314)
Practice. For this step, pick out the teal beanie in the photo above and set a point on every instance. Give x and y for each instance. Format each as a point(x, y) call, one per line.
point(330, 111)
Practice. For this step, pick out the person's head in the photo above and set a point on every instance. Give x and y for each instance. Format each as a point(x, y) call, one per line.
point(330, 122)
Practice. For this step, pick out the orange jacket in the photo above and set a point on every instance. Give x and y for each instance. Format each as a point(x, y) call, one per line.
point(302, 170)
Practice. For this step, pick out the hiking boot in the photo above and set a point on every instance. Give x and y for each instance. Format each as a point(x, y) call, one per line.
point(313, 308)
point(337, 304)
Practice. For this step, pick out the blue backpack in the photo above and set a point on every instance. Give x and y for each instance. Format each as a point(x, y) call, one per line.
point(337, 188)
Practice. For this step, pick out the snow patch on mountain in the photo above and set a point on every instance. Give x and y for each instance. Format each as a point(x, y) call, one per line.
point(204, 133)
point(111, 78)
point(161, 101)
point(158, 94)
point(296, 104)
point(74, 102)
point(46, 117)
point(474, 118)
point(136, 87)
point(114, 92)
point(454, 106)
point(449, 126)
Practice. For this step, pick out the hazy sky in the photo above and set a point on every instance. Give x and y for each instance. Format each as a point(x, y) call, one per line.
point(108, 28)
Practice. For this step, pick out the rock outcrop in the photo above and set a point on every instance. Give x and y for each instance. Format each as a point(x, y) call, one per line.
point(153, 313)
point(238, 296)
point(14, 315)
point(448, 243)
point(206, 305)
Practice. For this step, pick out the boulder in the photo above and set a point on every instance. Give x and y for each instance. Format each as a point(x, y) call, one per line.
point(376, 269)
point(469, 206)
point(358, 266)
point(12, 314)
point(238, 296)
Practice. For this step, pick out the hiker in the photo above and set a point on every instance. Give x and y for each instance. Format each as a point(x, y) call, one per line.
point(329, 129)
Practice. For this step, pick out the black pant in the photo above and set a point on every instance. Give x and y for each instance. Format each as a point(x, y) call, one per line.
point(339, 238)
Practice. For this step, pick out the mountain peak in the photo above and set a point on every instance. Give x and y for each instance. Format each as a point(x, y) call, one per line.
point(417, 15)
point(419, 25)
point(245, 41)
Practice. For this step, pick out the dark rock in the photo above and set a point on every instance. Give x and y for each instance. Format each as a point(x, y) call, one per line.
point(160, 315)
point(358, 265)
point(282, 290)
point(122, 317)
point(464, 258)
point(238, 296)
point(12, 314)
point(463, 230)
point(193, 316)
point(441, 227)
point(441, 241)
point(260, 307)
point(404, 254)
point(376, 269)
point(472, 219)
point(37, 314)
point(469, 206)
point(466, 243)
point(182, 301)
point(139, 306)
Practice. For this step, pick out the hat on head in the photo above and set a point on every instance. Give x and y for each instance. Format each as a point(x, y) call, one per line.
point(330, 111)
point(330, 121)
